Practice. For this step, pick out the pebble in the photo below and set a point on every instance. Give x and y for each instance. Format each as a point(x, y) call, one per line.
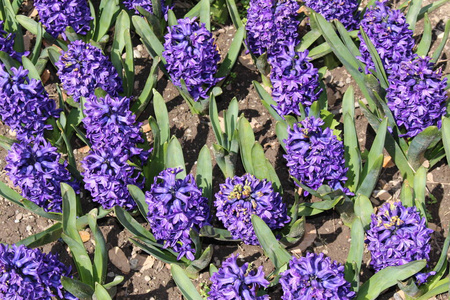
point(118, 259)
point(147, 278)
point(140, 48)
point(111, 274)
point(19, 217)
point(137, 54)
point(28, 228)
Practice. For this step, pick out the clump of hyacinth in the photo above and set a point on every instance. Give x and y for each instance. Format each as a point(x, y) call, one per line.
point(233, 282)
point(315, 156)
point(7, 43)
point(109, 122)
point(107, 174)
point(315, 276)
point(83, 68)
point(145, 4)
point(345, 11)
point(58, 15)
point(241, 197)
point(192, 56)
point(389, 33)
point(398, 235)
point(416, 95)
point(175, 207)
point(271, 24)
point(37, 170)
point(294, 80)
point(30, 274)
point(24, 104)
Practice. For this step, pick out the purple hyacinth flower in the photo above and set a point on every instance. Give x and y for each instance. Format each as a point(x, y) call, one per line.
point(175, 207)
point(191, 54)
point(30, 274)
point(294, 79)
point(315, 157)
point(57, 15)
point(315, 276)
point(145, 4)
point(7, 43)
point(107, 174)
point(271, 24)
point(345, 11)
point(37, 170)
point(83, 68)
point(416, 95)
point(241, 197)
point(232, 282)
point(109, 122)
point(24, 103)
point(398, 235)
point(388, 31)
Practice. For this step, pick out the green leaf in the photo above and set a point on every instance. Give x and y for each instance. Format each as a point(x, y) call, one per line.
point(81, 258)
point(107, 17)
point(31, 206)
point(234, 14)
point(420, 184)
point(413, 12)
point(204, 178)
point(175, 158)
point(101, 293)
point(320, 51)
point(355, 254)
point(281, 130)
point(132, 225)
point(446, 137)
point(437, 53)
point(371, 179)
point(441, 288)
point(308, 39)
point(420, 144)
point(38, 44)
point(159, 253)
point(226, 160)
point(379, 68)
point(267, 101)
point(10, 194)
point(146, 95)
point(69, 215)
point(202, 262)
point(100, 254)
point(348, 41)
point(246, 142)
point(122, 23)
point(352, 154)
point(6, 143)
point(388, 277)
point(216, 233)
point(377, 148)
point(157, 8)
point(171, 18)
point(8, 61)
point(277, 254)
point(363, 209)
point(231, 116)
point(430, 7)
point(407, 194)
point(162, 117)
point(148, 37)
point(183, 282)
point(128, 64)
point(214, 117)
point(425, 41)
point(232, 54)
point(42, 238)
point(139, 197)
point(205, 13)
point(32, 72)
point(77, 288)
point(116, 281)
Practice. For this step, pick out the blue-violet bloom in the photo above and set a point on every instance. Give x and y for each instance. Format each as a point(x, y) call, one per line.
point(416, 95)
point(29, 274)
point(388, 31)
point(241, 197)
point(345, 11)
point(232, 282)
point(315, 157)
point(24, 103)
point(191, 54)
point(57, 15)
point(83, 68)
point(37, 170)
point(315, 276)
point(175, 207)
point(7, 43)
point(398, 235)
point(271, 24)
point(294, 79)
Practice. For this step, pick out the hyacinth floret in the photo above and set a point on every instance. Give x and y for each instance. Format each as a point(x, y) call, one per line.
point(271, 24)
point(107, 174)
point(57, 15)
point(294, 80)
point(315, 276)
point(24, 103)
point(83, 68)
point(109, 122)
point(191, 54)
point(241, 197)
point(345, 11)
point(416, 95)
point(315, 157)
point(398, 235)
point(145, 4)
point(388, 31)
point(7, 43)
point(29, 274)
point(175, 207)
point(232, 282)
point(36, 169)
